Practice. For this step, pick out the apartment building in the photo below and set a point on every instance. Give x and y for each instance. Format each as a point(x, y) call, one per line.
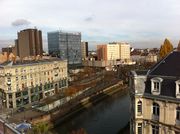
point(155, 98)
point(114, 51)
point(124, 51)
point(84, 50)
point(25, 82)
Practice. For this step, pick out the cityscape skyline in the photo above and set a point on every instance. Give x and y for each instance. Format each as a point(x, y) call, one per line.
point(143, 24)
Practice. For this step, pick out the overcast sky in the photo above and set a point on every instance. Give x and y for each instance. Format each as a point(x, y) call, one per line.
point(143, 23)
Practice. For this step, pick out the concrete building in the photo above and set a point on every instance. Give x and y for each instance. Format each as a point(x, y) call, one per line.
point(29, 43)
point(124, 51)
point(101, 52)
point(65, 45)
point(113, 51)
point(84, 50)
point(25, 82)
point(8, 50)
point(155, 98)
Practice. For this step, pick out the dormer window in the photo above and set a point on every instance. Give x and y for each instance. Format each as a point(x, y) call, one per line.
point(156, 85)
point(178, 89)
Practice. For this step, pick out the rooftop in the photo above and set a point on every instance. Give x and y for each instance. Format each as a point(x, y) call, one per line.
point(169, 66)
point(28, 62)
point(169, 70)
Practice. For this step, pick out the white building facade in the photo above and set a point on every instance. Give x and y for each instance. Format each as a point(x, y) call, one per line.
point(31, 81)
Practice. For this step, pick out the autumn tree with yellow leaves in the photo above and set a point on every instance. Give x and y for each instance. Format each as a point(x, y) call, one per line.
point(166, 48)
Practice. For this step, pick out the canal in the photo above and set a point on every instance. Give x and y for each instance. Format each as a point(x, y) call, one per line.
point(107, 117)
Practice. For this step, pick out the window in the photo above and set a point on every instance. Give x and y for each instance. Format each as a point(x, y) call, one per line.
point(139, 128)
point(139, 107)
point(16, 70)
point(178, 113)
point(9, 88)
point(156, 86)
point(16, 78)
point(155, 129)
point(22, 86)
point(156, 109)
point(10, 96)
point(9, 79)
point(178, 89)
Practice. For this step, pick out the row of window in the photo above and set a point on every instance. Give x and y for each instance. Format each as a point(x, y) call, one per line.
point(156, 86)
point(155, 129)
point(31, 70)
point(156, 110)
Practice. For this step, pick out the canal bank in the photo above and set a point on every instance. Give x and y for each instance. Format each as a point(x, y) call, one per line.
point(106, 117)
point(89, 102)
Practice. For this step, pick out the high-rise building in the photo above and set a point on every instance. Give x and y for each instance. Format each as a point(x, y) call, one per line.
point(113, 51)
point(84, 50)
point(124, 51)
point(65, 45)
point(29, 43)
point(155, 98)
point(102, 52)
point(26, 82)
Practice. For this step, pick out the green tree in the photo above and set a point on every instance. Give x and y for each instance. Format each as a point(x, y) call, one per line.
point(40, 128)
point(166, 48)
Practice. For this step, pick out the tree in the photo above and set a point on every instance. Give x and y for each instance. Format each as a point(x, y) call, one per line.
point(166, 48)
point(40, 128)
point(178, 48)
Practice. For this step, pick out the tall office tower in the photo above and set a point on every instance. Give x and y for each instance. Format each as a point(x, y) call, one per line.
point(65, 45)
point(84, 50)
point(29, 43)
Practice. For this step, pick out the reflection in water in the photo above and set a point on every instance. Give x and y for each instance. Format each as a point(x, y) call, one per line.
point(107, 117)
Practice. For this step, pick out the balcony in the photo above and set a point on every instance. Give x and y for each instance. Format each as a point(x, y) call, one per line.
point(155, 117)
point(177, 122)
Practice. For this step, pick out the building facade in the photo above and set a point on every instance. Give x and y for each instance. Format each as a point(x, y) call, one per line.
point(124, 51)
point(25, 82)
point(66, 46)
point(84, 50)
point(101, 52)
point(155, 98)
point(8, 50)
point(29, 43)
point(114, 51)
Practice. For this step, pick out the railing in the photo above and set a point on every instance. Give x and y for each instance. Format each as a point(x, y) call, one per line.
point(155, 117)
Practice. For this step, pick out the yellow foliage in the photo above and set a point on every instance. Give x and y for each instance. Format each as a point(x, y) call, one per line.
point(166, 48)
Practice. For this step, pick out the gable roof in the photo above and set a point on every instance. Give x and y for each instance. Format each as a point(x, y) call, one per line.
point(169, 70)
point(169, 66)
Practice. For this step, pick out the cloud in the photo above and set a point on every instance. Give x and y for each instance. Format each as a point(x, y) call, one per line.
point(89, 18)
point(20, 22)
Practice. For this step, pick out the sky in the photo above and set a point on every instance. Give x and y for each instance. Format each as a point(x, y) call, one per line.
point(142, 23)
